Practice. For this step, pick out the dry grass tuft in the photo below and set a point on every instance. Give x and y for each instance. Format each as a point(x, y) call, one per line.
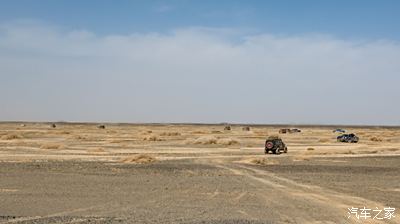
point(11, 137)
point(212, 140)
point(140, 159)
point(78, 137)
point(216, 132)
point(301, 158)
point(170, 134)
point(51, 146)
point(324, 140)
point(63, 132)
point(152, 138)
point(199, 132)
point(376, 139)
point(227, 141)
point(310, 149)
point(206, 140)
point(349, 152)
point(261, 133)
point(263, 161)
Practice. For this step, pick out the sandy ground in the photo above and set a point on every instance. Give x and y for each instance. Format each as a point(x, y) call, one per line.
point(78, 173)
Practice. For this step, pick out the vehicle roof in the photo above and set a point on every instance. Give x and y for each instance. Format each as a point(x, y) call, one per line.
point(273, 137)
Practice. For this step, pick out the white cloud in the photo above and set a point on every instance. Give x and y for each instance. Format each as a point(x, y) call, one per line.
point(196, 75)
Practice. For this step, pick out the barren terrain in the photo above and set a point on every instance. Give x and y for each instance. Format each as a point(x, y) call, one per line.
point(79, 173)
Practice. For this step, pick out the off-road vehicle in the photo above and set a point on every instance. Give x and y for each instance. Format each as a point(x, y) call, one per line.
point(339, 130)
point(288, 130)
point(275, 145)
point(283, 130)
point(101, 126)
point(350, 138)
point(246, 128)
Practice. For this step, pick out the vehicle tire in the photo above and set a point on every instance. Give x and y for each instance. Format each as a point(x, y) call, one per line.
point(277, 151)
point(285, 150)
point(269, 145)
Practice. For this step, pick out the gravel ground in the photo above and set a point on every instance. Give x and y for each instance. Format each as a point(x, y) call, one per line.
point(196, 191)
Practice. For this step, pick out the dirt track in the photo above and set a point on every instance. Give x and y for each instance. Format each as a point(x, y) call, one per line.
point(194, 184)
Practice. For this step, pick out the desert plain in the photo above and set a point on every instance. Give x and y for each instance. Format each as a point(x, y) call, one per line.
point(187, 173)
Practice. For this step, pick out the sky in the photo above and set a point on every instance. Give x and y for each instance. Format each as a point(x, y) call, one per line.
point(270, 62)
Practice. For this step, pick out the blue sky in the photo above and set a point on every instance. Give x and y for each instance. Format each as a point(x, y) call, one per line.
point(308, 62)
point(343, 18)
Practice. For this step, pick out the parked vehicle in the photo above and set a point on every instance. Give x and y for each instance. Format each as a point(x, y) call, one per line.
point(349, 138)
point(275, 145)
point(288, 130)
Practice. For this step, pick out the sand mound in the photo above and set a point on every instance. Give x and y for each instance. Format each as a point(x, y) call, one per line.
point(96, 150)
point(261, 133)
point(302, 157)
point(11, 137)
point(199, 132)
point(140, 159)
point(227, 141)
point(324, 140)
point(51, 146)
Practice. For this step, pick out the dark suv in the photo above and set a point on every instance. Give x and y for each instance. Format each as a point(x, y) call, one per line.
point(350, 138)
point(275, 145)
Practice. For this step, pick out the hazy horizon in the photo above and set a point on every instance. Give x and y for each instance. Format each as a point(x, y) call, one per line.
point(183, 62)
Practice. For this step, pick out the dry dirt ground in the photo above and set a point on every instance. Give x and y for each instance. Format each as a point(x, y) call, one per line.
point(78, 173)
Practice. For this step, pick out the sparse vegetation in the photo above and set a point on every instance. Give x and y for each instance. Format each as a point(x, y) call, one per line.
point(301, 158)
point(376, 139)
point(263, 161)
point(152, 138)
point(209, 140)
point(324, 140)
point(170, 134)
point(11, 137)
point(140, 159)
point(216, 132)
point(206, 140)
point(227, 141)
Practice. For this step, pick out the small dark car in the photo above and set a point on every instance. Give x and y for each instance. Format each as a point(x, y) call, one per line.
point(275, 145)
point(101, 126)
point(350, 138)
